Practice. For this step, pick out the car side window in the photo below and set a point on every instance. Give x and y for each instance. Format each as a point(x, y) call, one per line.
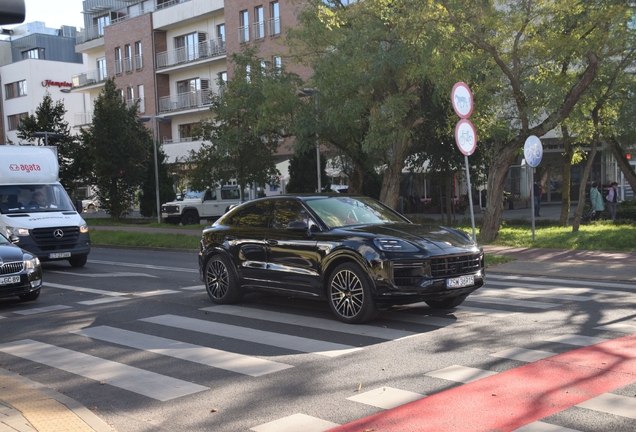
point(210, 195)
point(230, 194)
point(256, 215)
point(286, 211)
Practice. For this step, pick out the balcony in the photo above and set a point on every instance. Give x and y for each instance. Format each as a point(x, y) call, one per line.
point(139, 64)
point(118, 67)
point(184, 101)
point(274, 26)
point(244, 34)
point(128, 64)
point(259, 30)
point(89, 33)
point(83, 118)
point(208, 49)
point(89, 78)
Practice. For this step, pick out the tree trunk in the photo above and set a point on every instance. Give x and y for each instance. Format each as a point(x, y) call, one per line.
point(586, 172)
point(623, 163)
point(393, 174)
point(566, 177)
point(503, 158)
point(357, 178)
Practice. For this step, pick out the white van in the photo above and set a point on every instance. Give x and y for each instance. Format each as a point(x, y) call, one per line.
point(35, 208)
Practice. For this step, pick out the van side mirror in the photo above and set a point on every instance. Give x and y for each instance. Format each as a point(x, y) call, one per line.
point(14, 239)
point(78, 206)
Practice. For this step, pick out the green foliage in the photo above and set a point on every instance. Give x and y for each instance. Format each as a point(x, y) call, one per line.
point(49, 117)
point(147, 197)
point(118, 144)
point(626, 210)
point(251, 114)
point(302, 172)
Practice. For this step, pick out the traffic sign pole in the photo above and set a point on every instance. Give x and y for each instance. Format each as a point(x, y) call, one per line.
point(532, 204)
point(470, 198)
point(533, 152)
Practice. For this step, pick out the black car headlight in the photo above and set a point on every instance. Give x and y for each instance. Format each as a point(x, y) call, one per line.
point(30, 264)
point(394, 245)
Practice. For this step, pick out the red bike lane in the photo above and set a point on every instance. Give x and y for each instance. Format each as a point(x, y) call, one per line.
point(509, 400)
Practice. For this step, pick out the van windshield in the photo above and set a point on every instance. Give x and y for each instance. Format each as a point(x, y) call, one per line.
point(34, 199)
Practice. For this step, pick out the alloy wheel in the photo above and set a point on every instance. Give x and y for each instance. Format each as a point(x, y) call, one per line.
point(347, 293)
point(217, 279)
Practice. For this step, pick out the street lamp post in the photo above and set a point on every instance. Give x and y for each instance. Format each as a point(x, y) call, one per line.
point(309, 92)
point(154, 119)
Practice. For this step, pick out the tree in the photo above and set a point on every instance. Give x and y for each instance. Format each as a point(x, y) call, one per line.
point(250, 116)
point(118, 144)
point(49, 117)
point(147, 197)
point(546, 55)
point(302, 172)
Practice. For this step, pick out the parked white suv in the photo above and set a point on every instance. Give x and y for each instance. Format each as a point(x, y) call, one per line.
point(197, 205)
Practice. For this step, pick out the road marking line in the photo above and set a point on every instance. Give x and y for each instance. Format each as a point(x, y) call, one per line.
point(618, 327)
point(87, 290)
point(40, 310)
point(544, 427)
point(461, 374)
point(194, 288)
point(593, 283)
point(294, 343)
point(319, 323)
point(104, 275)
point(486, 311)
point(148, 266)
point(425, 320)
point(511, 302)
point(526, 292)
point(515, 398)
point(103, 301)
point(523, 354)
point(577, 340)
point(612, 404)
point(151, 384)
point(386, 397)
point(238, 363)
point(153, 293)
point(562, 289)
point(294, 423)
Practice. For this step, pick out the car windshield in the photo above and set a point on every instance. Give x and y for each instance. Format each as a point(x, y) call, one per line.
point(192, 194)
point(3, 240)
point(345, 211)
point(34, 199)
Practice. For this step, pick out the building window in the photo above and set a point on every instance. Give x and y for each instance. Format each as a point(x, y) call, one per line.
point(118, 65)
point(248, 71)
point(35, 53)
point(128, 58)
point(101, 69)
point(222, 78)
point(139, 63)
point(122, 95)
point(274, 20)
point(100, 23)
point(140, 93)
point(185, 131)
point(277, 62)
point(259, 23)
point(244, 29)
point(188, 47)
point(220, 35)
point(130, 97)
point(15, 89)
point(15, 120)
point(192, 93)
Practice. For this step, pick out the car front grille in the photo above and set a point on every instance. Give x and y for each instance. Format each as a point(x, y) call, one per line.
point(12, 267)
point(52, 237)
point(455, 265)
point(170, 209)
point(410, 272)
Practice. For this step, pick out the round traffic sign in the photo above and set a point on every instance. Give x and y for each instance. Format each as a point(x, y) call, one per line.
point(533, 151)
point(466, 137)
point(462, 100)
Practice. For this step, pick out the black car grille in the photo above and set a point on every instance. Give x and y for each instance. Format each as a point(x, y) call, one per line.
point(50, 236)
point(410, 272)
point(455, 265)
point(12, 267)
point(170, 209)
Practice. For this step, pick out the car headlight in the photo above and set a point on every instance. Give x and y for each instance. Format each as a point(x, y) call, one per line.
point(83, 228)
point(17, 231)
point(394, 245)
point(31, 264)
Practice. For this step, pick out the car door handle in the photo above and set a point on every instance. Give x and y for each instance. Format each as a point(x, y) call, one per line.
point(272, 242)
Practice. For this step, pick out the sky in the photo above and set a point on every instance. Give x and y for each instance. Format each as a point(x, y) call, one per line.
point(54, 13)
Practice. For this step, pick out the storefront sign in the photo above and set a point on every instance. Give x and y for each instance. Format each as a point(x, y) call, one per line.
point(60, 84)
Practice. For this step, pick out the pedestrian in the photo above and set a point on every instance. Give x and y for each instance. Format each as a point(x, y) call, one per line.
point(596, 200)
point(537, 192)
point(612, 199)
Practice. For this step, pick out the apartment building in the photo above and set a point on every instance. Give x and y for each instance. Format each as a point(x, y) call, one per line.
point(36, 60)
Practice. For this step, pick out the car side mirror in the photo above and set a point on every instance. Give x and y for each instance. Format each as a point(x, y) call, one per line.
point(14, 239)
point(298, 225)
point(78, 206)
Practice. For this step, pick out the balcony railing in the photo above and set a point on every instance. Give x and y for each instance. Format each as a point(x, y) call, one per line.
point(128, 64)
point(139, 62)
point(274, 26)
point(88, 78)
point(83, 118)
point(165, 4)
point(206, 49)
point(259, 30)
point(178, 140)
point(244, 34)
point(185, 101)
point(118, 67)
point(89, 33)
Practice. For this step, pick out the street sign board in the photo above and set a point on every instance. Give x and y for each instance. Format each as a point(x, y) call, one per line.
point(462, 100)
point(466, 137)
point(533, 151)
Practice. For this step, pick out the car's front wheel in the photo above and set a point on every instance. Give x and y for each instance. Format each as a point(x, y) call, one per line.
point(220, 282)
point(349, 292)
point(447, 303)
point(190, 217)
point(30, 296)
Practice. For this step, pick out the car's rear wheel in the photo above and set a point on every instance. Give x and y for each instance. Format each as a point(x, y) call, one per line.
point(220, 282)
point(447, 303)
point(349, 293)
point(30, 296)
point(78, 261)
point(190, 218)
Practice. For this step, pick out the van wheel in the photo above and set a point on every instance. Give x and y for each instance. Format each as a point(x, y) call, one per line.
point(447, 303)
point(78, 261)
point(30, 296)
point(190, 218)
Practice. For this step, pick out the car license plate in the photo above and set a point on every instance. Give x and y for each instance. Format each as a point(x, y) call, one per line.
point(60, 255)
point(460, 282)
point(9, 280)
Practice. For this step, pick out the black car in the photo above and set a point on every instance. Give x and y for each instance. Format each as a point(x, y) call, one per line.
point(20, 272)
point(351, 250)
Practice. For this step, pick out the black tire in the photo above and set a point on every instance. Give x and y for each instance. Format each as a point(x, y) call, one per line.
point(190, 217)
point(220, 281)
point(349, 294)
point(78, 261)
point(30, 296)
point(92, 207)
point(447, 303)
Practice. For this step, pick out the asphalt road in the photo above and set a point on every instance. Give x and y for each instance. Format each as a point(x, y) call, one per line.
point(134, 337)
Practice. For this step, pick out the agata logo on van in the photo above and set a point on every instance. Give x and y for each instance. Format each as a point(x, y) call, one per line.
point(25, 167)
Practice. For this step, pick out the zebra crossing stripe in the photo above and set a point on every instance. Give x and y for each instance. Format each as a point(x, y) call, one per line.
point(544, 427)
point(194, 288)
point(510, 302)
point(184, 351)
point(544, 293)
point(86, 290)
point(612, 404)
point(618, 327)
point(577, 340)
point(103, 300)
point(319, 323)
point(577, 282)
point(34, 311)
point(461, 374)
point(563, 290)
point(485, 311)
point(294, 343)
point(295, 423)
point(146, 383)
point(523, 354)
point(386, 397)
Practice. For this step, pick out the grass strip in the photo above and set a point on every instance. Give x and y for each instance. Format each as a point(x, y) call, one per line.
point(142, 239)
